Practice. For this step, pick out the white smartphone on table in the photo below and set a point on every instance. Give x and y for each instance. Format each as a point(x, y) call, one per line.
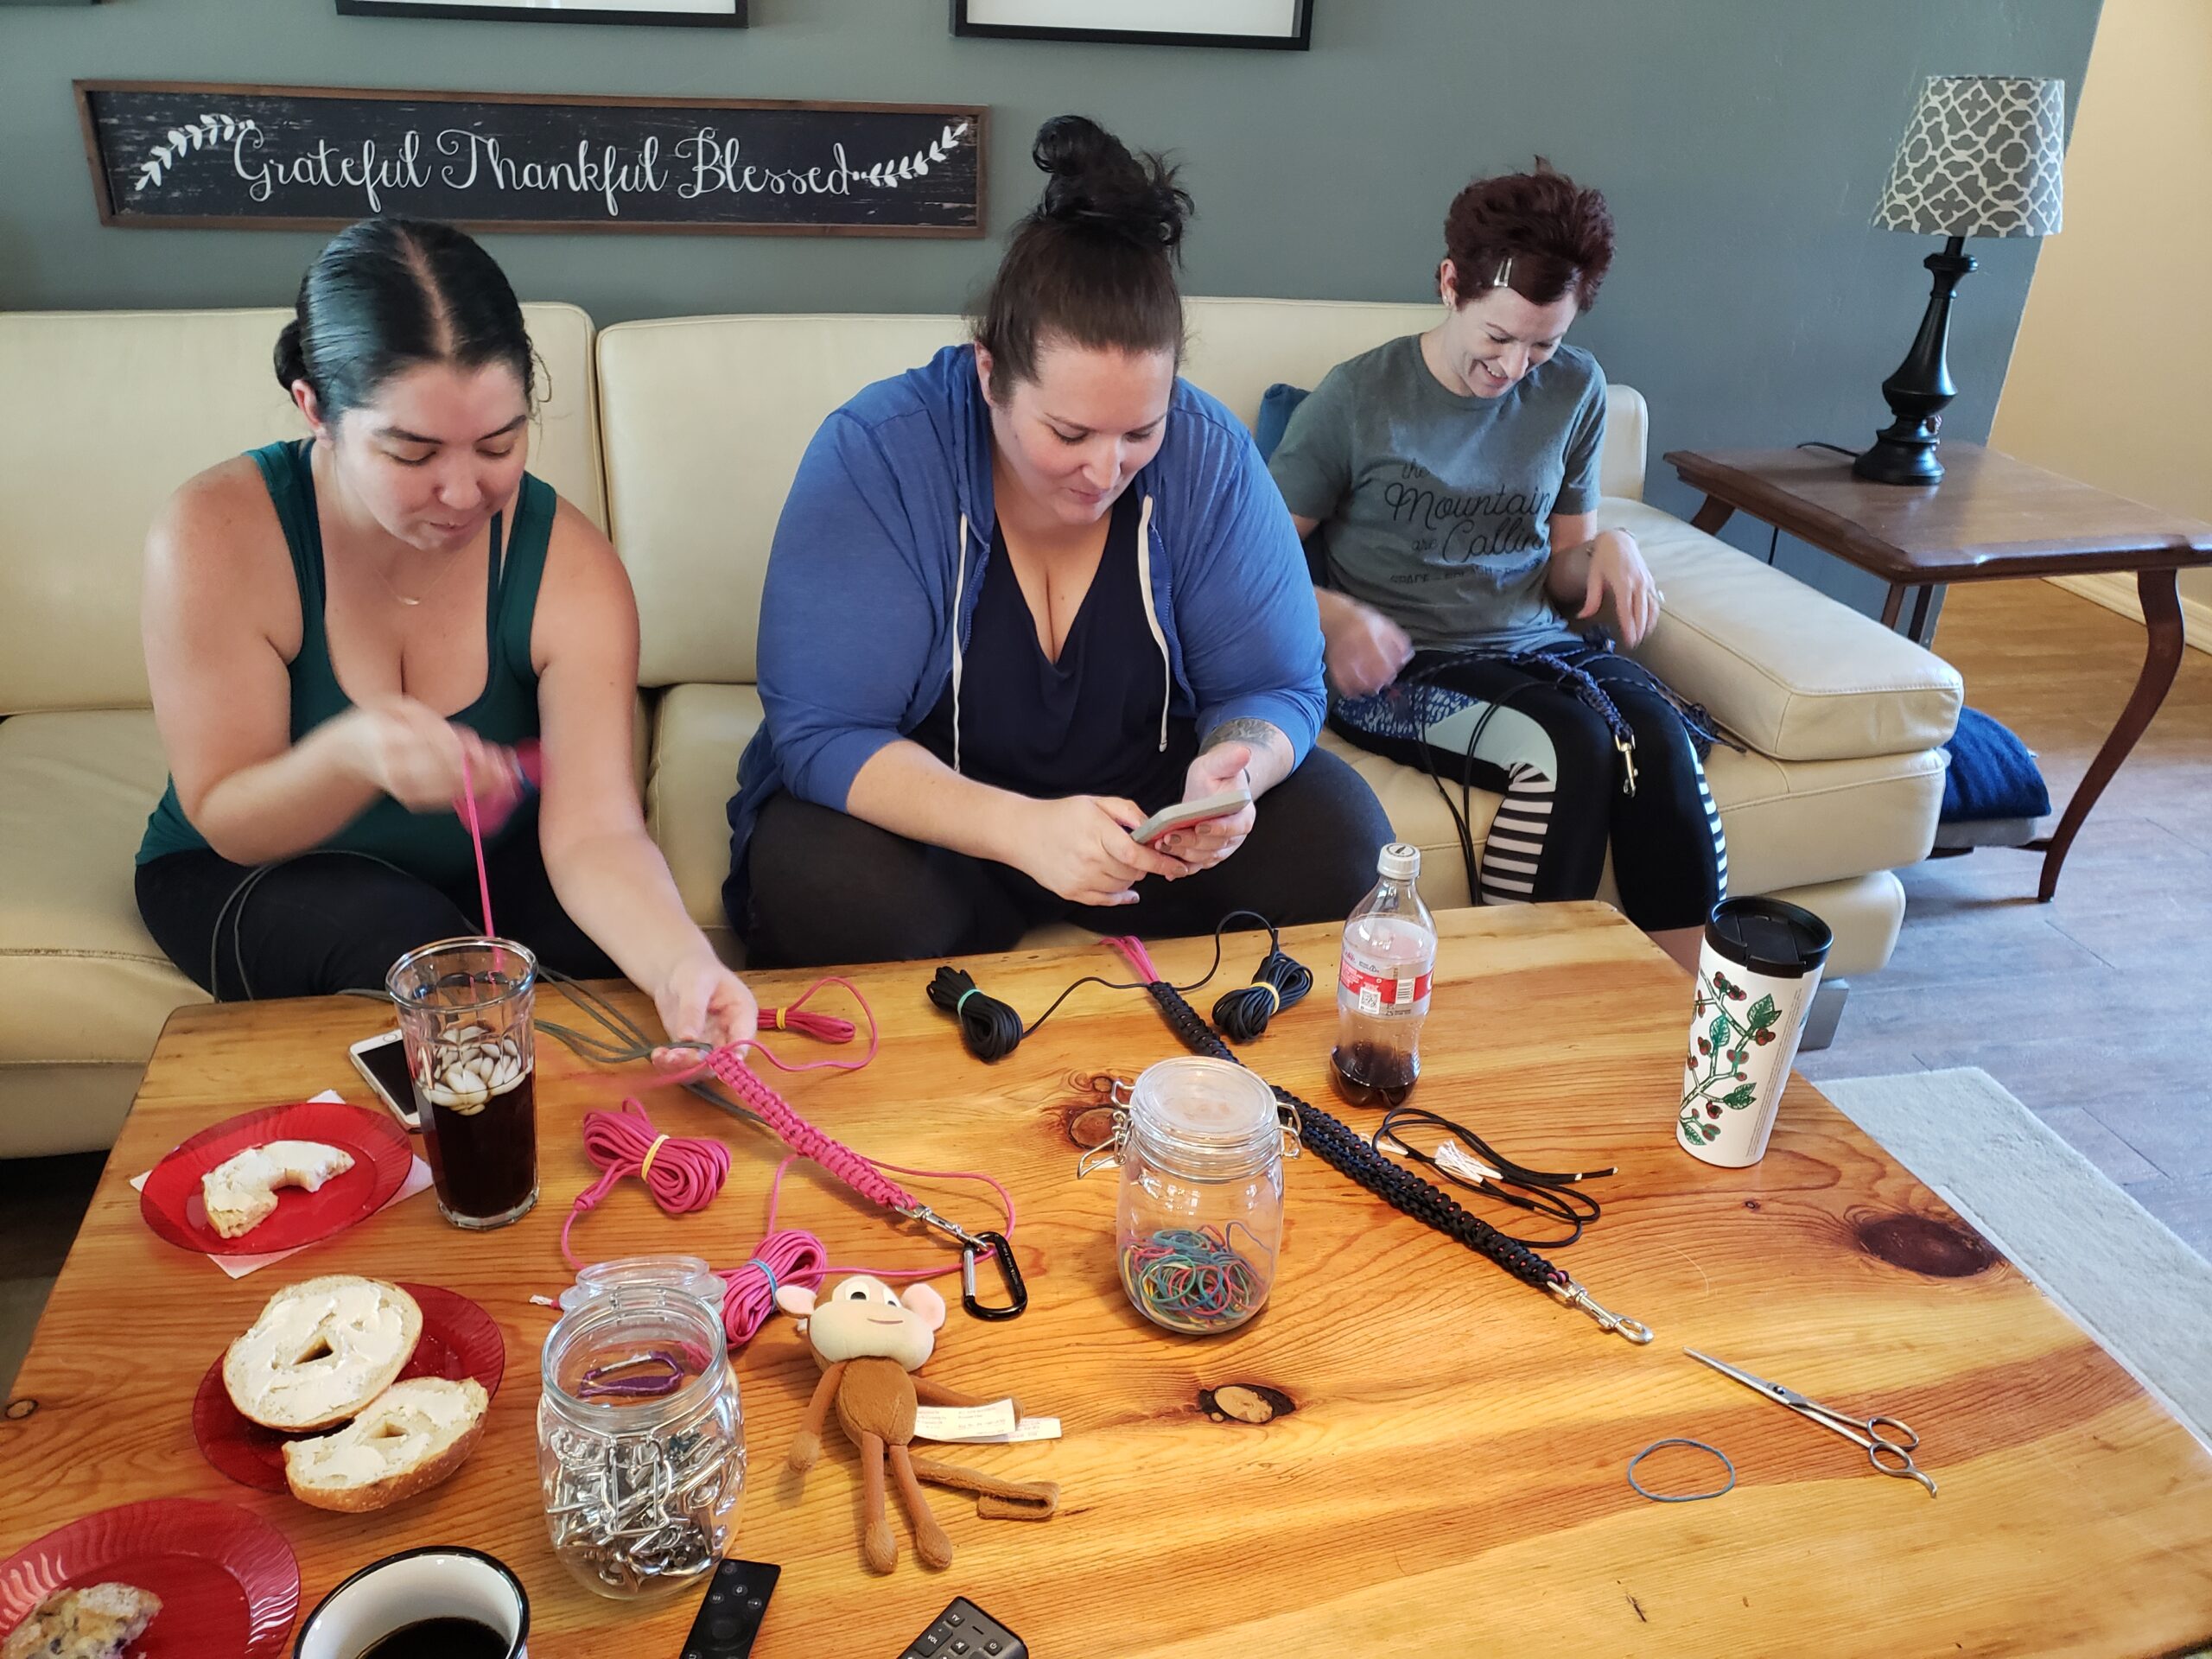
point(1183, 814)
point(381, 1062)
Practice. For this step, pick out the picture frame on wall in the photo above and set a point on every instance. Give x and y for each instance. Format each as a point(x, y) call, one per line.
point(1282, 25)
point(709, 14)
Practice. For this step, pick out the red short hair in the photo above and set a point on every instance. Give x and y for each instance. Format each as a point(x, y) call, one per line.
point(1539, 233)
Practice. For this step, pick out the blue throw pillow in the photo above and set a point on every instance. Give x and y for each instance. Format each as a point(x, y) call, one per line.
point(1275, 405)
point(1992, 774)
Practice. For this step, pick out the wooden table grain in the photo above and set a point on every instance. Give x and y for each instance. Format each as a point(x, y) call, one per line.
point(1448, 1476)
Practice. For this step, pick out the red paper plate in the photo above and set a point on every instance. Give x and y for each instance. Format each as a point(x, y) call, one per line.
point(227, 1580)
point(459, 1339)
point(171, 1200)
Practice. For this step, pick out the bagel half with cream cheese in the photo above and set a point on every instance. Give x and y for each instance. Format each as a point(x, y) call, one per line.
point(240, 1192)
point(322, 1350)
point(412, 1436)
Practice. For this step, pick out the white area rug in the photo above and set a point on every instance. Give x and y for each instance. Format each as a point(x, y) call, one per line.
point(2119, 1272)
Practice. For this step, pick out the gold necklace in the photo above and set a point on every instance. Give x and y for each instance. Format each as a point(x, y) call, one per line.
point(451, 563)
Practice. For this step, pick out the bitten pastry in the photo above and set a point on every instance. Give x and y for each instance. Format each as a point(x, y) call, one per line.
point(98, 1622)
point(414, 1435)
point(240, 1192)
point(320, 1351)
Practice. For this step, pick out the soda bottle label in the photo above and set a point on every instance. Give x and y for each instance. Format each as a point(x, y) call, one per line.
point(1376, 988)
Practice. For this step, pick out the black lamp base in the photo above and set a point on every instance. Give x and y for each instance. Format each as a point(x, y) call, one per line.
point(1904, 451)
point(1907, 459)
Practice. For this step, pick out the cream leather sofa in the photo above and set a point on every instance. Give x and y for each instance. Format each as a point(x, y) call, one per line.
point(681, 437)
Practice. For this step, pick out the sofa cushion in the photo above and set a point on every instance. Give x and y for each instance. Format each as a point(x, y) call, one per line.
point(1789, 823)
point(127, 405)
point(1794, 673)
point(81, 980)
point(706, 419)
point(701, 731)
point(1863, 912)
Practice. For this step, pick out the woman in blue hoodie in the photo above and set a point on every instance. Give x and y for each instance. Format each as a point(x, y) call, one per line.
point(1023, 596)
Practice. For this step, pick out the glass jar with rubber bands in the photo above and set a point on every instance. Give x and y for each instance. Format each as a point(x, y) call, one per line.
point(641, 1439)
point(1199, 1223)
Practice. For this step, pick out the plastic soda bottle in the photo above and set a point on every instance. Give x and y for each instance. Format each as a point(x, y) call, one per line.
point(1383, 985)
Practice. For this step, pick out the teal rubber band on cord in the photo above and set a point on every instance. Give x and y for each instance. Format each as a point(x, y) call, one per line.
point(964, 995)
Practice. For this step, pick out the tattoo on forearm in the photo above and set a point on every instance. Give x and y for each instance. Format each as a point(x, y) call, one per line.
point(1260, 733)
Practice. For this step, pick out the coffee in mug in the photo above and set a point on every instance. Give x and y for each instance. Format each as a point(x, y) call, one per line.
point(443, 1602)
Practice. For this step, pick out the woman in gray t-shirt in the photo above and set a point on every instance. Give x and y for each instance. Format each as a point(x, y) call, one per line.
point(1447, 486)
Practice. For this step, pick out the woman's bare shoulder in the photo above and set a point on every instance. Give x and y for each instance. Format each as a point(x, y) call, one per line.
point(216, 545)
point(218, 520)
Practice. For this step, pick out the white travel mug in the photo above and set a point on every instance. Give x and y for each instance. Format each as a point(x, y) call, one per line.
point(1756, 971)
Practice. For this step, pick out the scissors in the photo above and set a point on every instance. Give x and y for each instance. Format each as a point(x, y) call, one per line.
point(1889, 1443)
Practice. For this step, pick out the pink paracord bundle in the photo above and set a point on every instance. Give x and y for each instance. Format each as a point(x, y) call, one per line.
point(795, 1016)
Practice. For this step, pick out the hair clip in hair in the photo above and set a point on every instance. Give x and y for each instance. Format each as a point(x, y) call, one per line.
point(1505, 276)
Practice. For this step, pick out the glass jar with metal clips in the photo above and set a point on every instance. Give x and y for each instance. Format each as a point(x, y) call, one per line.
point(1200, 1215)
point(640, 1439)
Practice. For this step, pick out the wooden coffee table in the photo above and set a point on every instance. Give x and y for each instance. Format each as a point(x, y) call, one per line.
point(1446, 1475)
point(1991, 519)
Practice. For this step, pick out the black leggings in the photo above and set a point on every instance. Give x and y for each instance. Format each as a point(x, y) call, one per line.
point(329, 921)
point(1564, 780)
point(827, 887)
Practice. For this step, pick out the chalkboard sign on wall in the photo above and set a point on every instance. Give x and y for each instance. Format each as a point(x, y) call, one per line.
point(187, 154)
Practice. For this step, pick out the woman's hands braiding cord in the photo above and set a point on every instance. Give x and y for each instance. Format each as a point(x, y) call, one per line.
point(1617, 573)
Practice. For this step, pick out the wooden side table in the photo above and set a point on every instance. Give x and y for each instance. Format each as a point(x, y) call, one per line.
point(1991, 517)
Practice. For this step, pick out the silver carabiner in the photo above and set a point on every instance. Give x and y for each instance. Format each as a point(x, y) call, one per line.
point(945, 1225)
point(1574, 1296)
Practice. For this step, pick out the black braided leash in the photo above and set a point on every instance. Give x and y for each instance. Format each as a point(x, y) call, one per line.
point(1351, 1154)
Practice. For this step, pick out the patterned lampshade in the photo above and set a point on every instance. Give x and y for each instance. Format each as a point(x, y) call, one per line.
point(1980, 158)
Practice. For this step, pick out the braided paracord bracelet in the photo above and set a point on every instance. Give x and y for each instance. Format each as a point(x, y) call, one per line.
point(1341, 1149)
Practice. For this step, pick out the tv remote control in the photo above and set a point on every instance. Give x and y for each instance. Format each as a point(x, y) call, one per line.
point(964, 1631)
point(730, 1614)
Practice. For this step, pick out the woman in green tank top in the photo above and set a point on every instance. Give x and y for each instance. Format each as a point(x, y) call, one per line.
point(339, 630)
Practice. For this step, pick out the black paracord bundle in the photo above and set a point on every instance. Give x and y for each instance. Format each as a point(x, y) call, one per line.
point(1350, 1155)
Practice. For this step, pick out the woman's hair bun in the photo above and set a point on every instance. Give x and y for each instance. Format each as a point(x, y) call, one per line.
point(1096, 184)
point(291, 356)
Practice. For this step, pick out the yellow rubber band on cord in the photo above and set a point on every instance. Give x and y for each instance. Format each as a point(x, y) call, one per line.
point(775, 1019)
point(1274, 997)
point(645, 1165)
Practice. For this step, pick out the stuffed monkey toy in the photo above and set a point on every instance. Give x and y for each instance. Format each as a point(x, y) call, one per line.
point(870, 1339)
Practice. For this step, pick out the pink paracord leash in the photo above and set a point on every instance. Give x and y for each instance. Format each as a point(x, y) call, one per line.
point(683, 1173)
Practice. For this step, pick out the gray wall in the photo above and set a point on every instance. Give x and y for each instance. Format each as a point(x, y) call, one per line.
point(1741, 142)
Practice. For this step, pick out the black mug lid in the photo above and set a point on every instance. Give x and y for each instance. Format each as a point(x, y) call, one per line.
point(1769, 936)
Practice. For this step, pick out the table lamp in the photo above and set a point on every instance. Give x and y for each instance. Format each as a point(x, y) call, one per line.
point(1980, 158)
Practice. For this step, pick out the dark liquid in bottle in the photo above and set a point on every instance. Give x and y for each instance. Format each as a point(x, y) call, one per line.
point(485, 1162)
point(1367, 1074)
point(440, 1639)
